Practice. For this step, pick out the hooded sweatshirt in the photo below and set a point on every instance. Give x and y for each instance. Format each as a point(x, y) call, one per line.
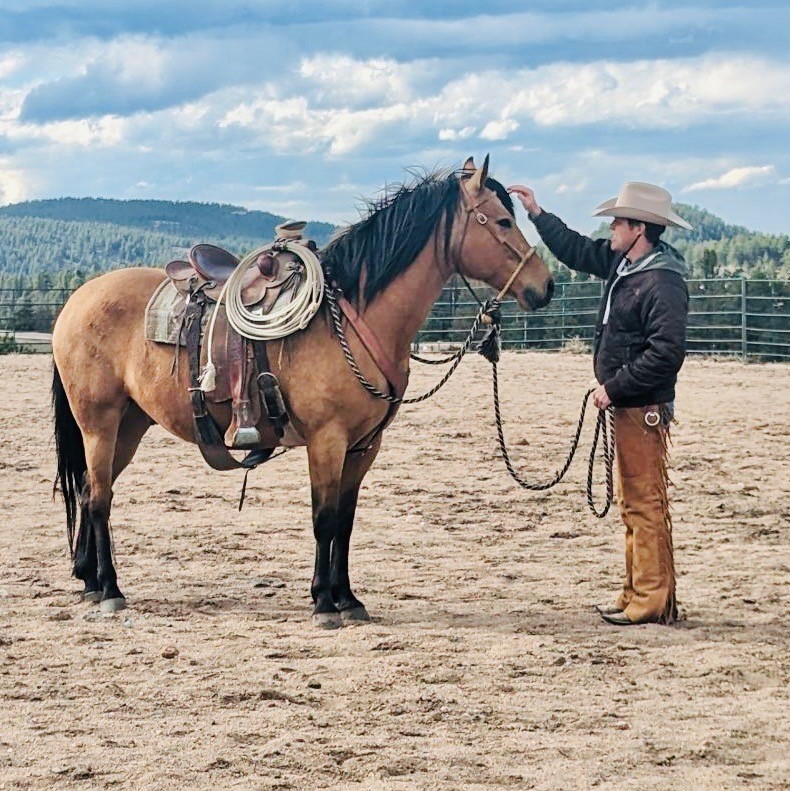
point(640, 334)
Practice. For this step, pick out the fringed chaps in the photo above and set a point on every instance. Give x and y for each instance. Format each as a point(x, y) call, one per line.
point(642, 481)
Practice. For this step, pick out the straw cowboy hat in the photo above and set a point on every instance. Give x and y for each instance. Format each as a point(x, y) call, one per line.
point(644, 202)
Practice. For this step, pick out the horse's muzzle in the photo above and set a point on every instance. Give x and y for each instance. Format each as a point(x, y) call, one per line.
point(535, 299)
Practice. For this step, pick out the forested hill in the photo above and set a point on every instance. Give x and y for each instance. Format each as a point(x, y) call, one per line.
point(62, 242)
point(716, 249)
point(68, 239)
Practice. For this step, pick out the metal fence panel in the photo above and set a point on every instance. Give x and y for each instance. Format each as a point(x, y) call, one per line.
point(733, 316)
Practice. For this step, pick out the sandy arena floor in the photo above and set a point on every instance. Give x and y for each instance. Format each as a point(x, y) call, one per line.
point(485, 666)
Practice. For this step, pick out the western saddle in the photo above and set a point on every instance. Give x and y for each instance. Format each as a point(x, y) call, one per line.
point(242, 368)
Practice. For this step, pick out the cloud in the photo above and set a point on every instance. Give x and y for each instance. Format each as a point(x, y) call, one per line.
point(104, 132)
point(421, 23)
point(578, 186)
point(736, 177)
point(128, 76)
point(9, 63)
point(15, 185)
point(456, 134)
point(132, 74)
point(342, 80)
point(499, 130)
point(291, 125)
point(650, 93)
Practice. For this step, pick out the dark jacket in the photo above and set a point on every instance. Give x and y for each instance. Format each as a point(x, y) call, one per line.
point(640, 348)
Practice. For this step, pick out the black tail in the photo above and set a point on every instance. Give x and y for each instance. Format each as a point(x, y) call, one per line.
point(70, 451)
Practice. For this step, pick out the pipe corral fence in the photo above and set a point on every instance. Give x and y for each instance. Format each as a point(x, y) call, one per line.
point(735, 317)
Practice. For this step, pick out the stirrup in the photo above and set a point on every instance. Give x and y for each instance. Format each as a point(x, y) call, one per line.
point(246, 437)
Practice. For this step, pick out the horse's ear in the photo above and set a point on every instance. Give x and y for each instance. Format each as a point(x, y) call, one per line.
point(485, 169)
point(469, 167)
point(478, 179)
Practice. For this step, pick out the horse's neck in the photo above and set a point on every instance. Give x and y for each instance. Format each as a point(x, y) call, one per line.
point(399, 311)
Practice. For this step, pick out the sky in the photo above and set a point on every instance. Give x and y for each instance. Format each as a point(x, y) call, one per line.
point(305, 108)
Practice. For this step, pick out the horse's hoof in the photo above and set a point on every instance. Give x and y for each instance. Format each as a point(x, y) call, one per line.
point(92, 597)
point(113, 605)
point(327, 620)
point(358, 614)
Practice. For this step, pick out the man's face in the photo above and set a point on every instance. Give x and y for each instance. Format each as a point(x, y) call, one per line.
point(623, 234)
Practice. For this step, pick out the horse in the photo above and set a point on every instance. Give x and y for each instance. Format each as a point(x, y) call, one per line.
point(110, 384)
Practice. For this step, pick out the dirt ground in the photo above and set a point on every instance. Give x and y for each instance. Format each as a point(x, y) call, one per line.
point(485, 665)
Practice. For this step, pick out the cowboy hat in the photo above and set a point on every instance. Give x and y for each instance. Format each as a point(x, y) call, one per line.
point(643, 202)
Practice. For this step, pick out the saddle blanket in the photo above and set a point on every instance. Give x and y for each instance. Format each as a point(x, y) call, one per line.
point(164, 315)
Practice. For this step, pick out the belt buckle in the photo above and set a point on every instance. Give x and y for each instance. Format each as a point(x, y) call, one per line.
point(652, 418)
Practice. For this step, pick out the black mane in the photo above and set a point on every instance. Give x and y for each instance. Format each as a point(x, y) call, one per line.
point(395, 229)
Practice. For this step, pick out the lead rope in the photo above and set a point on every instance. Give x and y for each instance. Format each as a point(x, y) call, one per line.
point(490, 349)
point(604, 428)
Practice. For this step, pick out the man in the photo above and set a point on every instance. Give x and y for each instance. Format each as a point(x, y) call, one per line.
point(640, 341)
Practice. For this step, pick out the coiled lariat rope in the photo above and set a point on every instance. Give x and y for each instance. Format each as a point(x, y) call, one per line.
point(280, 321)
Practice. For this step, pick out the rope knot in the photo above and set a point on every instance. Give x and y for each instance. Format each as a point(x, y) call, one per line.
point(491, 345)
point(492, 312)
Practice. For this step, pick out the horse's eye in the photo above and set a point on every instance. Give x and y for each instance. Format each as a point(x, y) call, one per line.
point(505, 223)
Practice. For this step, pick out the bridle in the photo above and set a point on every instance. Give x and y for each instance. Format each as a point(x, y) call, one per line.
point(474, 209)
point(487, 313)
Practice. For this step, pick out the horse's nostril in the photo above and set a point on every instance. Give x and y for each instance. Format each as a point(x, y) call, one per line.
point(535, 299)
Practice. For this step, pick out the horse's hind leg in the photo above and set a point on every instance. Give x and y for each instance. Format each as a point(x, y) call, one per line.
point(85, 561)
point(95, 517)
point(354, 470)
point(96, 500)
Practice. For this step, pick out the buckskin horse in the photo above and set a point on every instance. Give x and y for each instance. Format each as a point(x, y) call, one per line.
point(110, 384)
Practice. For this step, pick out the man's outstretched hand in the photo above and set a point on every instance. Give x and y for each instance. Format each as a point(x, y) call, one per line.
point(527, 198)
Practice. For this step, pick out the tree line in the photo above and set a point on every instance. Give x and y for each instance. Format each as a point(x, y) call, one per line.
point(49, 248)
point(714, 249)
point(61, 243)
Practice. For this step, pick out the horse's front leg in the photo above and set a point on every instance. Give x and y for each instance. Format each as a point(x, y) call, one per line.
point(354, 470)
point(325, 455)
